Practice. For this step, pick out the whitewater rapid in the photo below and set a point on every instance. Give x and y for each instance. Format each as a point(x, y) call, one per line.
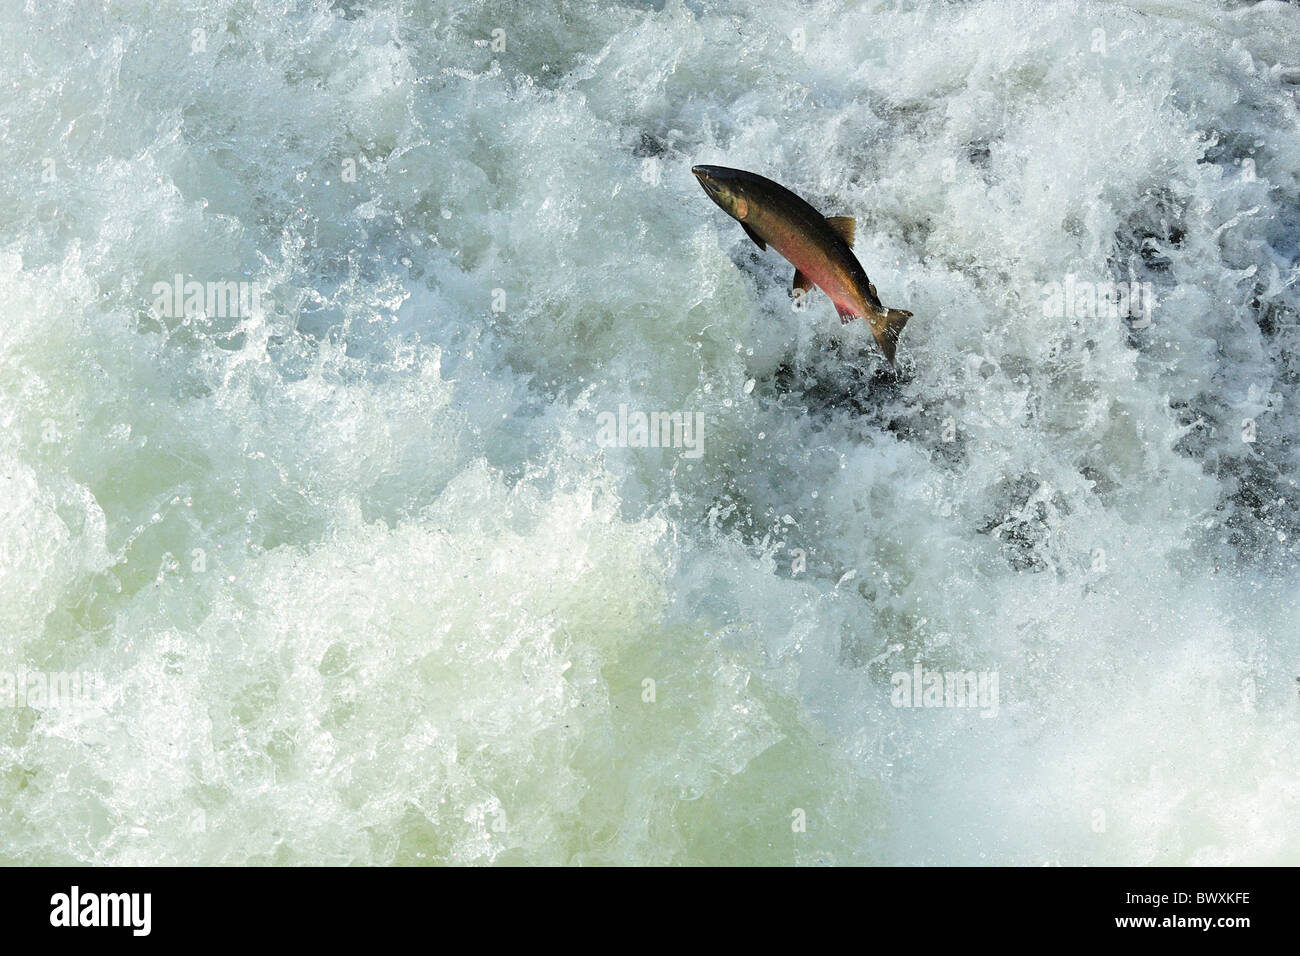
point(368, 563)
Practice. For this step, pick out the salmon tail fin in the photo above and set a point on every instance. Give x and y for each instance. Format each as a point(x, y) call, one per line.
point(889, 329)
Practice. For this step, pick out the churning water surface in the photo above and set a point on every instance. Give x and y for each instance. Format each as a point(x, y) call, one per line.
point(361, 562)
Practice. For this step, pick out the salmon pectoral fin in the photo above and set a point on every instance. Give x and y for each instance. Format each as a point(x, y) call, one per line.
point(753, 235)
point(802, 284)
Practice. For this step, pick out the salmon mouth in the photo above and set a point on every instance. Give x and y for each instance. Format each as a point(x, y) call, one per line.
point(710, 177)
point(702, 174)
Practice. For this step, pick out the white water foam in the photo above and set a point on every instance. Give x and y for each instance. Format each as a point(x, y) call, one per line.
point(362, 584)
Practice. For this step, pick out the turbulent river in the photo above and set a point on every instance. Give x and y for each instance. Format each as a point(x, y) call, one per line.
point(402, 461)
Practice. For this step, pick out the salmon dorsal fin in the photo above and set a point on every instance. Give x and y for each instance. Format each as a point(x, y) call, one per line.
point(753, 235)
point(843, 226)
point(802, 284)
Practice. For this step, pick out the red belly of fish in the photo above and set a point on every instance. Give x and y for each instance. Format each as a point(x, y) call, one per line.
point(823, 275)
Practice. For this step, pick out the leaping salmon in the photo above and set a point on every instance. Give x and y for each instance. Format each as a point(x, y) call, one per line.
point(820, 248)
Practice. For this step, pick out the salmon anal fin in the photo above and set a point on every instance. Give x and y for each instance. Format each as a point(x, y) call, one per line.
point(843, 226)
point(846, 315)
point(753, 235)
point(802, 284)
